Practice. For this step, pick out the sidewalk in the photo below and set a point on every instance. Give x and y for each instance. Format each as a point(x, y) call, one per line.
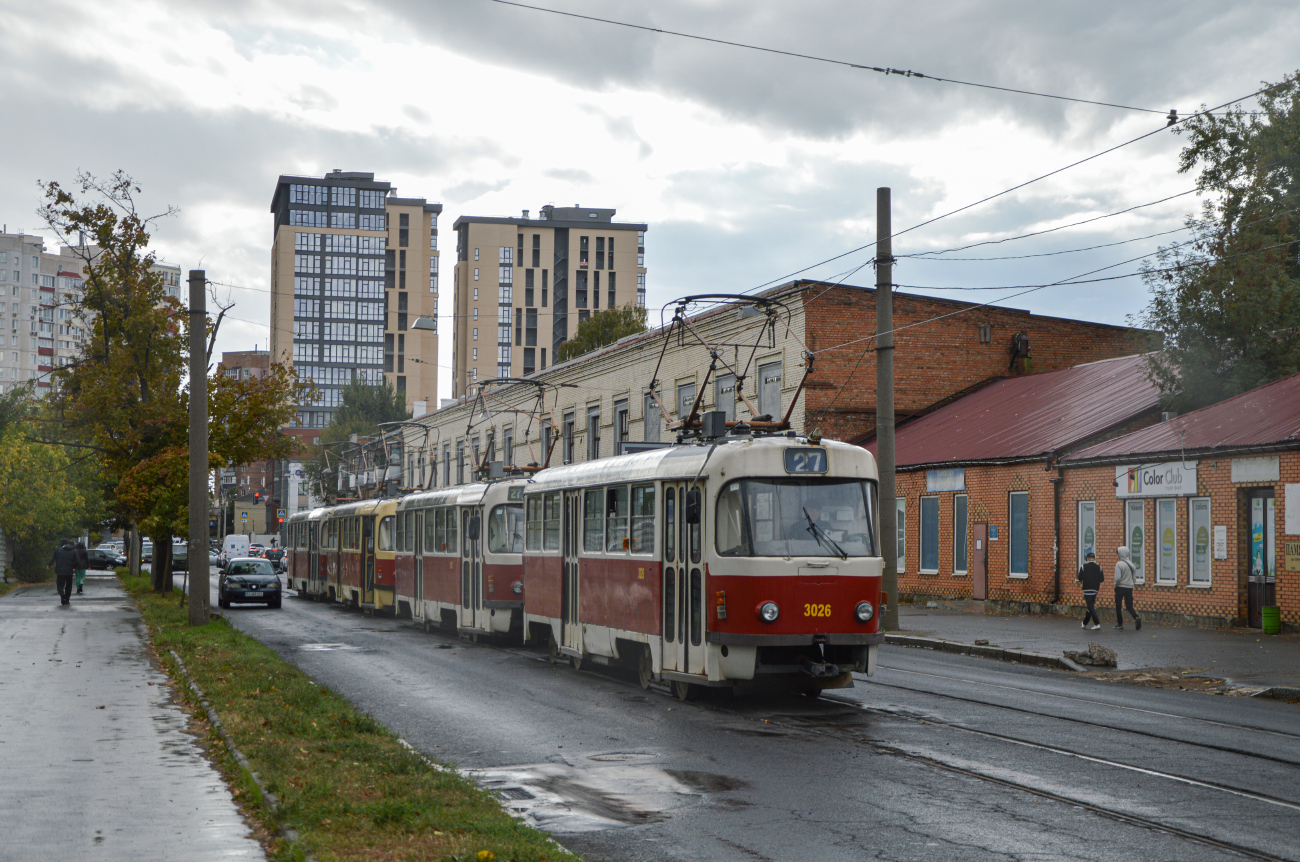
point(1242, 656)
point(95, 761)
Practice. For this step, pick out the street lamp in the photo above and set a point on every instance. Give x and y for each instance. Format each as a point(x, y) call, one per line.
point(426, 323)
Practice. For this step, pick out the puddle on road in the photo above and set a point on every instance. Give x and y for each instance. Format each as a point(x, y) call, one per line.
point(324, 647)
point(608, 791)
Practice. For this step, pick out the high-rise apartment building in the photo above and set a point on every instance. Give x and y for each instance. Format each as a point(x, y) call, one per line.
point(551, 273)
point(39, 329)
point(352, 268)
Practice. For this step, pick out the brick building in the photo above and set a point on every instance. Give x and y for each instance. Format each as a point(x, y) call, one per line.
point(951, 348)
point(1208, 503)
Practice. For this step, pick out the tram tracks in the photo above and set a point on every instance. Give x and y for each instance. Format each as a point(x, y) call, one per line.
point(1239, 752)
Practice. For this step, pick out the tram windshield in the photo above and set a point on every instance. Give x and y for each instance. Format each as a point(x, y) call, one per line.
point(506, 530)
point(796, 518)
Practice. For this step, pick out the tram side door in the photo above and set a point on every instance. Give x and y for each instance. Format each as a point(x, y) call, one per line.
point(367, 560)
point(471, 570)
point(571, 635)
point(676, 580)
point(418, 590)
point(313, 558)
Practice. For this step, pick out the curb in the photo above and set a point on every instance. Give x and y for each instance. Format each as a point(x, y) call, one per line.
point(1279, 692)
point(993, 652)
point(268, 797)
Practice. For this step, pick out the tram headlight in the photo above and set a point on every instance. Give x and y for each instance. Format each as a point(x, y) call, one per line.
point(864, 611)
point(768, 612)
point(517, 588)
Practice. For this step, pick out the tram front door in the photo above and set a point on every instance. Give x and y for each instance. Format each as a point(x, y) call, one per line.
point(417, 598)
point(571, 634)
point(311, 578)
point(683, 580)
point(471, 570)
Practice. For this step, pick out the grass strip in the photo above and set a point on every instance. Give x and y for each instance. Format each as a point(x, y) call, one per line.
point(346, 785)
point(9, 587)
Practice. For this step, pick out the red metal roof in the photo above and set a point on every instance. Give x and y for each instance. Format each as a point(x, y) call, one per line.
point(1266, 415)
point(1024, 417)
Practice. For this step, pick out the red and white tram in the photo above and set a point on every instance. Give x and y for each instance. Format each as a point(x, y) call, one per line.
point(749, 561)
point(460, 557)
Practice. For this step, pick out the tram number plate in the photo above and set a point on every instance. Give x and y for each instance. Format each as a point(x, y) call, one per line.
point(816, 610)
point(805, 460)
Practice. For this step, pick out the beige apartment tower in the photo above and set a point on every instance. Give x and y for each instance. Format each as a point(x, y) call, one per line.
point(523, 285)
point(354, 289)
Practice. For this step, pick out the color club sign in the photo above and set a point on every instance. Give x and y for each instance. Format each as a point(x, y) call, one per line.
point(1173, 479)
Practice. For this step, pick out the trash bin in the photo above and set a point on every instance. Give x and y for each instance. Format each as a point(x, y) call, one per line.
point(1271, 620)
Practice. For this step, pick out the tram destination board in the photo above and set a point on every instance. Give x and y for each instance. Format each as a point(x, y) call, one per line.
point(808, 460)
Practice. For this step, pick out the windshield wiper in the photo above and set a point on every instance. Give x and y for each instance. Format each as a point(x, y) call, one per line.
point(822, 537)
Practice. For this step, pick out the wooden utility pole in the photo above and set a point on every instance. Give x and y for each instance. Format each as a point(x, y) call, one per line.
point(885, 407)
point(198, 553)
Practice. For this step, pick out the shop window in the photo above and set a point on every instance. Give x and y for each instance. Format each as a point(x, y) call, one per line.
point(1087, 530)
point(960, 531)
point(1018, 534)
point(1135, 531)
point(929, 535)
point(1166, 541)
point(900, 535)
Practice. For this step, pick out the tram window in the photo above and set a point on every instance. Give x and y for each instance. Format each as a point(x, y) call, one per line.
point(506, 530)
point(386, 533)
point(452, 530)
point(535, 523)
point(770, 518)
point(696, 528)
point(643, 519)
point(670, 605)
point(616, 518)
point(697, 590)
point(670, 523)
point(430, 532)
point(551, 522)
point(400, 544)
point(593, 522)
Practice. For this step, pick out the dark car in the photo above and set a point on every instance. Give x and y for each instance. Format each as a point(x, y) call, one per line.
point(248, 579)
point(180, 556)
point(276, 557)
point(104, 558)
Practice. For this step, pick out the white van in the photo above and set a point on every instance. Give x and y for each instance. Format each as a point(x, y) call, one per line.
point(235, 546)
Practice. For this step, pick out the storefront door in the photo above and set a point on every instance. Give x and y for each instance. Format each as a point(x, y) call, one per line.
point(1261, 552)
point(979, 568)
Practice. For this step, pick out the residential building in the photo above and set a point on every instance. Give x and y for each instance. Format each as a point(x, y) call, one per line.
point(599, 403)
point(39, 329)
point(551, 273)
point(353, 267)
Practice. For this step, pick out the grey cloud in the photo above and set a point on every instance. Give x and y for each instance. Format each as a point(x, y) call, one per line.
point(417, 114)
point(468, 190)
point(621, 129)
point(1159, 55)
point(569, 175)
point(311, 98)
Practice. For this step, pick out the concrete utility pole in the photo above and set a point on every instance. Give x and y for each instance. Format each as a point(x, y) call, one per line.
point(885, 406)
point(198, 553)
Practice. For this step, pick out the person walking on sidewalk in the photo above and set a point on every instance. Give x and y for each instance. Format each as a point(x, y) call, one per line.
point(1124, 573)
point(1091, 576)
point(65, 564)
point(83, 563)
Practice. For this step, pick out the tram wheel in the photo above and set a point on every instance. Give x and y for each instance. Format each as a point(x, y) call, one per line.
point(427, 627)
point(685, 691)
point(553, 651)
point(576, 661)
point(644, 668)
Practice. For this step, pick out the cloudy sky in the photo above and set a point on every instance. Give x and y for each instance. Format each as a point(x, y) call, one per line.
point(748, 166)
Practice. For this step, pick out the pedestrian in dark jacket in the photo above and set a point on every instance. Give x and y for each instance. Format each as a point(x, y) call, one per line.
point(65, 567)
point(1091, 576)
point(83, 563)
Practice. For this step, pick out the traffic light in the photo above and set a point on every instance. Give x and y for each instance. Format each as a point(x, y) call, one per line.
point(257, 496)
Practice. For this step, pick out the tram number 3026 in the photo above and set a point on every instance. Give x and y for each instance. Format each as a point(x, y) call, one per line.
point(805, 460)
point(816, 610)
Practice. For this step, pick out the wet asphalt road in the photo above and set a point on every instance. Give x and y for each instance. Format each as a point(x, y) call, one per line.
point(937, 757)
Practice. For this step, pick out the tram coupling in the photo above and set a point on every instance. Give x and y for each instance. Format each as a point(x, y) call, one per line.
point(818, 669)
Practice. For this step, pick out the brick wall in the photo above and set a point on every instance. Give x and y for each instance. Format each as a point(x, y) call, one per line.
point(933, 361)
point(1223, 601)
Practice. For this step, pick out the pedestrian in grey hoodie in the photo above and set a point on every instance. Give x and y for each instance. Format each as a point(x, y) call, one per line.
point(1124, 572)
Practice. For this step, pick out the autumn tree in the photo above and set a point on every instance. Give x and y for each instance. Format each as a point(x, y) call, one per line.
point(126, 396)
point(602, 328)
point(1227, 302)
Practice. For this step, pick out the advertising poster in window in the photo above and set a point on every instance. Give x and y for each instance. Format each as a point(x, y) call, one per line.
point(901, 534)
point(1135, 535)
point(1167, 541)
point(1198, 525)
point(1087, 529)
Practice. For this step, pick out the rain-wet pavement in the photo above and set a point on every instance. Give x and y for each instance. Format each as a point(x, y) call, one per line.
point(95, 759)
point(1243, 656)
point(937, 757)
